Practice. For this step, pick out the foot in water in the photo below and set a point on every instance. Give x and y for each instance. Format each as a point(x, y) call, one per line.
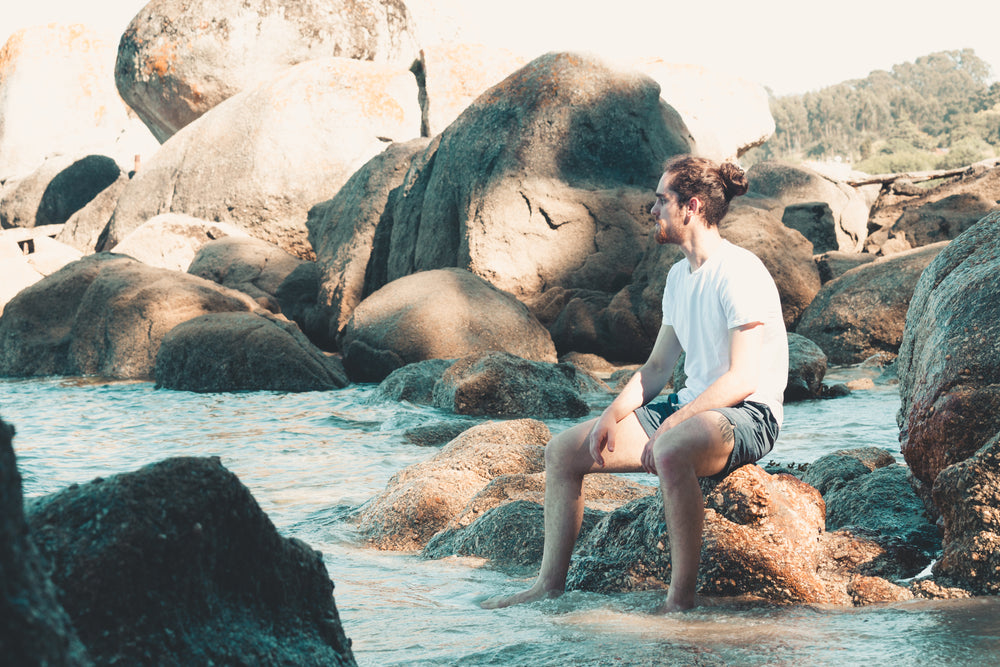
point(530, 595)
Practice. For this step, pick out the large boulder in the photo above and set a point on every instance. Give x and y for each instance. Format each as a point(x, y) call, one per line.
point(36, 629)
point(777, 186)
point(499, 384)
point(342, 230)
point(544, 180)
point(862, 313)
point(177, 59)
point(949, 358)
point(56, 190)
point(422, 499)
point(243, 352)
point(249, 265)
point(806, 368)
point(103, 315)
point(177, 560)
point(83, 229)
point(57, 96)
point(443, 314)
point(966, 494)
point(172, 240)
point(726, 115)
point(263, 158)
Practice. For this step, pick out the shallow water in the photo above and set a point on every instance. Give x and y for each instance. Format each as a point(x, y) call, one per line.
point(308, 458)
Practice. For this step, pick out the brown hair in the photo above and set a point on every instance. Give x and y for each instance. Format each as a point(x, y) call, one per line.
point(713, 183)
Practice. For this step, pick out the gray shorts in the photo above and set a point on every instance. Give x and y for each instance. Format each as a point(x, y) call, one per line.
point(754, 428)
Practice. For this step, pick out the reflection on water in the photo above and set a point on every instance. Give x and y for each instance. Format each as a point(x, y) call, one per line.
point(310, 458)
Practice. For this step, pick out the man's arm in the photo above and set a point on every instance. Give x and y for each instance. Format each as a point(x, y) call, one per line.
point(745, 345)
point(644, 386)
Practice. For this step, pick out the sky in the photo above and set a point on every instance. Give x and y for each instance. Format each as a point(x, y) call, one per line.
point(786, 45)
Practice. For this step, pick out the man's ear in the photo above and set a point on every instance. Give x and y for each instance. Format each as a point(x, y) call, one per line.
point(694, 204)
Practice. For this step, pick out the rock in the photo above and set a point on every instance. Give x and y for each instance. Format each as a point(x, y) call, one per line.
point(297, 297)
point(883, 502)
point(436, 433)
point(966, 494)
point(57, 96)
point(949, 358)
point(254, 267)
point(814, 220)
point(172, 240)
point(499, 384)
point(177, 560)
point(581, 324)
point(863, 312)
point(103, 315)
point(443, 314)
point(806, 368)
point(931, 215)
point(777, 185)
point(342, 230)
point(834, 264)
point(726, 115)
point(56, 190)
point(452, 75)
point(264, 157)
point(18, 274)
point(36, 629)
point(591, 363)
point(869, 590)
point(84, 228)
point(177, 60)
point(421, 499)
point(49, 255)
point(413, 382)
point(831, 471)
point(243, 352)
point(544, 180)
point(785, 252)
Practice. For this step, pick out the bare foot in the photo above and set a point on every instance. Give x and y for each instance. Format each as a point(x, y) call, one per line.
point(531, 595)
point(671, 606)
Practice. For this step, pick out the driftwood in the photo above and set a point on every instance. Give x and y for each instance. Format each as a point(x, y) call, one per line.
point(918, 176)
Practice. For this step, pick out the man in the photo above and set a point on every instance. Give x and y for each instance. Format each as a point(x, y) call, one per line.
point(721, 307)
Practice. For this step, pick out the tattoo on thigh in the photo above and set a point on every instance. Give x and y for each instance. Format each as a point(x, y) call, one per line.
point(726, 429)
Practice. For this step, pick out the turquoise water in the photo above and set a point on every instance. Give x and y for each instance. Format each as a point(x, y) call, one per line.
point(307, 457)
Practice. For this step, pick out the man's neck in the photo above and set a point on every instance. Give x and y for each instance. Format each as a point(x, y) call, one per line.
point(702, 243)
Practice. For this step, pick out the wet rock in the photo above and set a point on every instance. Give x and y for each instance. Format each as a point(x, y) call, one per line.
point(172, 240)
point(243, 352)
point(177, 560)
point(248, 265)
point(499, 384)
point(57, 96)
point(421, 499)
point(436, 433)
point(265, 156)
point(831, 471)
point(36, 629)
point(863, 312)
point(342, 231)
point(777, 185)
point(966, 494)
point(868, 590)
point(177, 60)
point(413, 382)
point(949, 358)
point(103, 315)
point(492, 536)
point(443, 314)
point(84, 228)
point(806, 368)
point(542, 181)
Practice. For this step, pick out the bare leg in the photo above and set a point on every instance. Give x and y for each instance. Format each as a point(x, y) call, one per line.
point(699, 446)
point(567, 460)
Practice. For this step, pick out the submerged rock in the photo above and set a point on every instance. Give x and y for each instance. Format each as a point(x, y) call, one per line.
point(176, 560)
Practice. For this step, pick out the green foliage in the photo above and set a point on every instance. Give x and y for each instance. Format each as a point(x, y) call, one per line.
point(937, 112)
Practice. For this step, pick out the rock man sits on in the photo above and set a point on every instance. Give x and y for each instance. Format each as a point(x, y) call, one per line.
point(721, 307)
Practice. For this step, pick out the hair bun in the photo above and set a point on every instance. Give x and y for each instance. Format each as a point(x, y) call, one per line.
point(734, 179)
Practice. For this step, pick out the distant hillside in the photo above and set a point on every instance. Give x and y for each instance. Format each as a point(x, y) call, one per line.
point(936, 113)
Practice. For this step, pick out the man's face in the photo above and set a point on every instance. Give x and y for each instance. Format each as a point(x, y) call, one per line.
point(667, 213)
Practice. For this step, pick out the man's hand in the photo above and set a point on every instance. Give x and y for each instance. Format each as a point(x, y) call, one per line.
point(601, 436)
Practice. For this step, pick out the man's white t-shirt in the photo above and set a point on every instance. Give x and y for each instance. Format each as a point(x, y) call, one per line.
point(732, 288)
